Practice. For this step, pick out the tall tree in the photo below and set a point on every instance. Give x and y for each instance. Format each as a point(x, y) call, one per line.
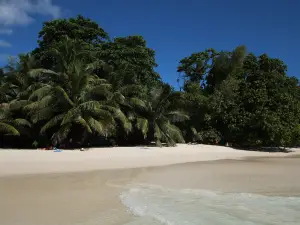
point(73, 100)
point(196, 67)
point(132, 60)
point(86, 31)
point(259, 108)
point(210, 68)
point(80, 28)
point(15, 90)
point(224, 65)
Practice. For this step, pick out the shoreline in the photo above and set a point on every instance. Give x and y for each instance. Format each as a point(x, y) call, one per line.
point(22, 162)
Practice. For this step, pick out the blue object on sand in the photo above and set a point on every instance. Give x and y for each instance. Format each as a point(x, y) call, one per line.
point(57, 150)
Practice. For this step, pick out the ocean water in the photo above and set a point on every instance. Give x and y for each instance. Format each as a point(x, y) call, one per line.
point(156, 205)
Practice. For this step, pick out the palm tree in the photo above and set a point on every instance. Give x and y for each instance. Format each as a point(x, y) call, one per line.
point(74, 98)
point(10, 124)
point(81, 99)
point(17, 75)
point(156, 116)
point(14, 90)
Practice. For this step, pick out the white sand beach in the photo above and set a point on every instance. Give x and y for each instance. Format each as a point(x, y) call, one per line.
point(187, 184)
point(17, 162)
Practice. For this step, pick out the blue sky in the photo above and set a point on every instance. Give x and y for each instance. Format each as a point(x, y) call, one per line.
point(173, 28)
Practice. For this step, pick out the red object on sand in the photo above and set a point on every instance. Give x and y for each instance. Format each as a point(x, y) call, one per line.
point(49, 148)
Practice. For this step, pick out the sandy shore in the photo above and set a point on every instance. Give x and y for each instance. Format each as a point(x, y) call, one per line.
point(83, 188)
point(16, 162)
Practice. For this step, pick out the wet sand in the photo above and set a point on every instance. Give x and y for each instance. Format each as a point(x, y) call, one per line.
point(62, 199)
point(266, 176)
point(91, 197)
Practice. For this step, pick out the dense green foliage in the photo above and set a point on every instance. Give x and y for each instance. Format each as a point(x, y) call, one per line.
point(80, 88)
point(240, 98)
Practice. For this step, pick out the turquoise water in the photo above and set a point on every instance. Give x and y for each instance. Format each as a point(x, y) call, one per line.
point(158, 205)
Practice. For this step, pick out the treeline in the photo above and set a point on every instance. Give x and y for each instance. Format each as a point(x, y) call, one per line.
point(79, 87)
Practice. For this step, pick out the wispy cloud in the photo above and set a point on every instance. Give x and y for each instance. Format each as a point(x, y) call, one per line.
point(4, 44)
point(6, 31)
point(19, 12)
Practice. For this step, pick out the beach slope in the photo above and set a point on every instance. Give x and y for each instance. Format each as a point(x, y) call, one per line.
point(18, 162)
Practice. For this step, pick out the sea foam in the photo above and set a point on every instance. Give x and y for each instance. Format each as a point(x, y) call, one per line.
point(158, 205)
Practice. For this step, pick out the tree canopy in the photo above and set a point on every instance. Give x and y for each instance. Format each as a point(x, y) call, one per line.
point(81, 88)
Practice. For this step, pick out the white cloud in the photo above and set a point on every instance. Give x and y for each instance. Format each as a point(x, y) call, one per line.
point(19, 12)
point(6, 31)
point(4, 44)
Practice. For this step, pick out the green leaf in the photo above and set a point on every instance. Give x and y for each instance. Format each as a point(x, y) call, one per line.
point(8, 129)
point(62, 134)
point(96, 126)
point(52, 123)
point(17, 104)
point(89, 106)
point(61, 94)
point(42, 114)
point(83, 123)
point(22, 122)
point(71, 115)
point(157, 132)
point(41, 72)
point(4, 113)
point(120, 116)
point(143, 126)
point(132, 89)
point(175, 133)
point(137, 103)
point(177, 116)
point(40, 93)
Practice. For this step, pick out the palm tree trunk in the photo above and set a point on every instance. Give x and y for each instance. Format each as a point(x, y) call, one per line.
point(151, 132)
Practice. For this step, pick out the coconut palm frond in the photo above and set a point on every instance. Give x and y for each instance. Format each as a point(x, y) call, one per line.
point(118, 98)
point(133, 89)
point(157, 132)
point(35, 73)
point(42, 114)
point(83, 123)
point(8, 129)
point(101, 90)
point(31, 107)
point(177, 116)
point(94, 80)
point(71, 115)
point(55, 121)
point(96, 126)
point(89, 106)
point(137, 103)
point(47, 101)
point(40, 93)
point(175, 133)
point(143, 125)
point(21, 122)
point(4, 113)
point(120, 116)
point(62, 133)
point(61, 94)
point(98, 64)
